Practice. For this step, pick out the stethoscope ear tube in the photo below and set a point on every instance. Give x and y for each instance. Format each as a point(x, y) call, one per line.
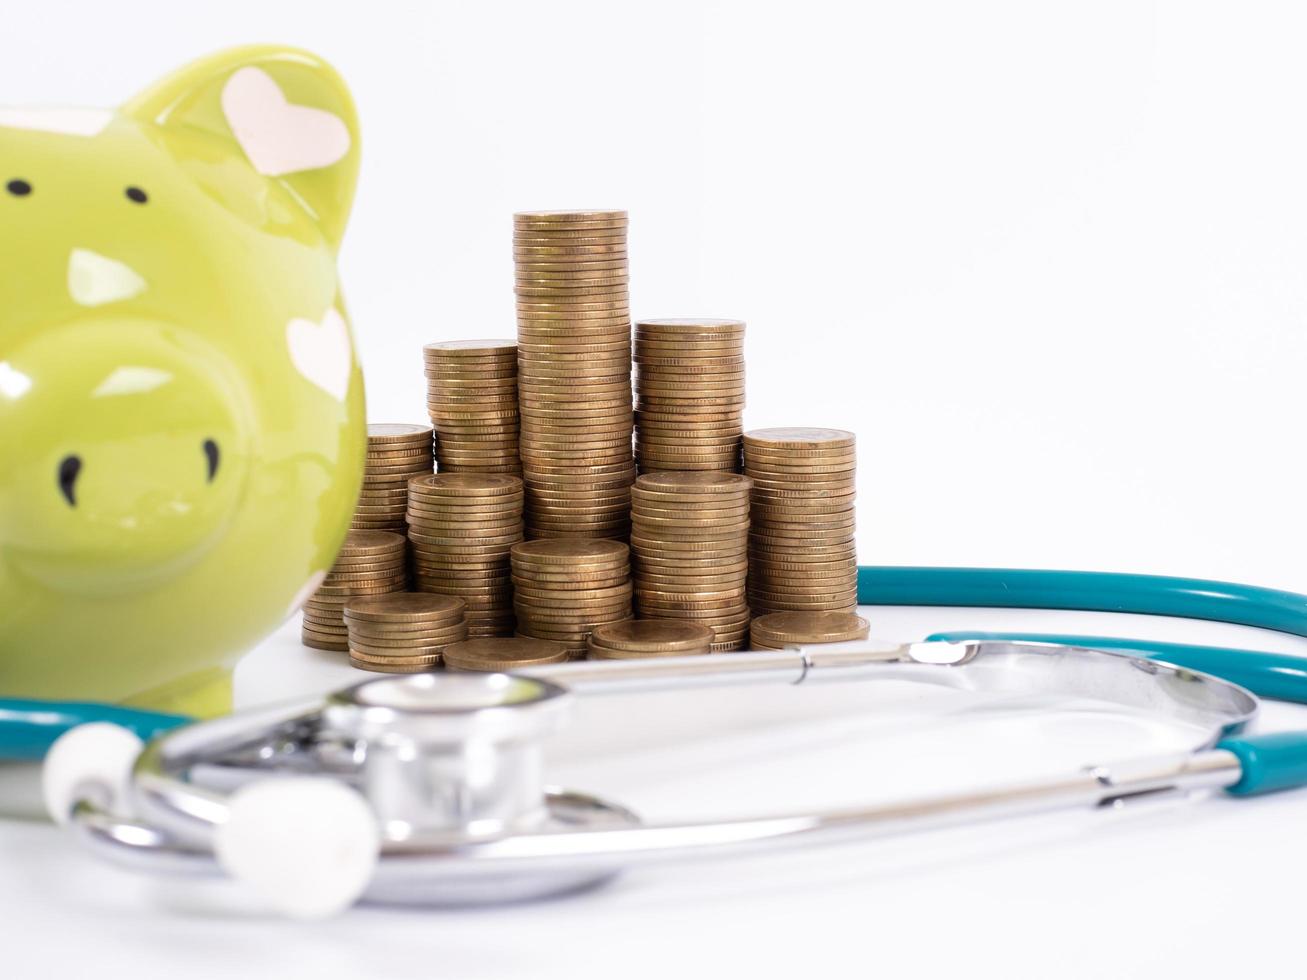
point(1268, 762)
point(28, 728)
point(1027, 588)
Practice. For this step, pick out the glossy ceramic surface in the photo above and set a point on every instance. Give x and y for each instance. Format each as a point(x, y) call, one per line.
point(181, 409)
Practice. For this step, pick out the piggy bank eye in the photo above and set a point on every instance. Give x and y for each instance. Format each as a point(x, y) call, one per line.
point(18, 187)
point(137, 195)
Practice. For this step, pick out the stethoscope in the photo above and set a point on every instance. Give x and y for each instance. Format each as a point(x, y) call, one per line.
point(427, 788)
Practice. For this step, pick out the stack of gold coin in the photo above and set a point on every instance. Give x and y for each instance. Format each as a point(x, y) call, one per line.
point(370, 563)
point(564, 587)
point(777, 630)
point(472, 401)
point(503, 653)
point(574, 372)
point(689, 394)
point(461, 527)
point(396, 451)
point(801, 550)
point(637, 638)
point(689, 551)
point(403, 633)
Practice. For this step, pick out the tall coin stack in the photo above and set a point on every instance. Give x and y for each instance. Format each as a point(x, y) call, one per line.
point(370, 563)
point(689, 394)
point(690, 551)
point(461, 527)
point(563, 588)
point(574, 372)
point(472, 401)
point(802, 555)
point(396, 451)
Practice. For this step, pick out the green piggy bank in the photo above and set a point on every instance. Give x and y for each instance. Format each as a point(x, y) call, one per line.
point(181, 409)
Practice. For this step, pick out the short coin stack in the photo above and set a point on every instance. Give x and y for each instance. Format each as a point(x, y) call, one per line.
point(396, 451)
point(564, 587)
point(638, 638)
point(503, 653)
point(574, 372)
point(689, 551)
point(802, 555)
point(370, 563)
point(689, 394)
point(403, 633)
point(472, 401)
point(777, 630)
point(461, 529)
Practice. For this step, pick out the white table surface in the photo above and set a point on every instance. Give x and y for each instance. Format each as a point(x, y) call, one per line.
point(1196, 888)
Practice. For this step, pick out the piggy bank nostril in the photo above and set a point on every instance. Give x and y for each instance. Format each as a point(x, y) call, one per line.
point(211, 454)
point(69, 467)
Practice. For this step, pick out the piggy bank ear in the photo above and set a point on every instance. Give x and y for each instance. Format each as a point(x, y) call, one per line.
point(286, 110)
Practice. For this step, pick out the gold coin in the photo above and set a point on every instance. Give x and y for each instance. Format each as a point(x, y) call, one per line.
point(799, 465)
point(406, 607)
point(666, 636)
point(470, 348)
point(540, 267)
point(809, 627)
point(646, 577)
point(390, 433)
point(399, 631)
point(540, 594)
point(599, 517)
point(391, 668)
point(595, 236)
point(429, 508)
point(614, 310)
point(569, 217)
point(428, 658)
point(798, 438)
point(402, 455)
point(684, 563)
point(572, 617)
point(592, 481)
point(464, 485)
point(360, 543)
point(319, 644)
point(692, 485)
point(699, 341)
point(475, 524)
point(504, 654)
point(554, 553)
point(363, 587)
point(674, 417)
point(388, 646)
point(582, 286)
point(527, 247)
point(677, 324)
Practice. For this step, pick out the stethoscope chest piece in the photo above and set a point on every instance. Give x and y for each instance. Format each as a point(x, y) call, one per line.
point(452, 760)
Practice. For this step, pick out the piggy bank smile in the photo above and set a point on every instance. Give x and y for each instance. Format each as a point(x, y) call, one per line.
point(181, 409)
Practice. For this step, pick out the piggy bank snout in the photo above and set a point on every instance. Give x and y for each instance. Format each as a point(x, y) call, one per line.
point(131, 449)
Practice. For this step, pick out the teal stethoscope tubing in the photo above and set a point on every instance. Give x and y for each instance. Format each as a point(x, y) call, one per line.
point(1280, 676)
point(27, 728)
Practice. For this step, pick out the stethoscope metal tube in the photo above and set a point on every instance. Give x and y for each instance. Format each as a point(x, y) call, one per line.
point(449, 764)
point(469, 821)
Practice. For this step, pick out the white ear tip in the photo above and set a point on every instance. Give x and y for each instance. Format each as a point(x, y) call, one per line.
point(97, 753)
point(308, 845)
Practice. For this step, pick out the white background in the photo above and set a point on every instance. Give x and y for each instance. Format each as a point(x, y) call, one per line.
point(1045, 258)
